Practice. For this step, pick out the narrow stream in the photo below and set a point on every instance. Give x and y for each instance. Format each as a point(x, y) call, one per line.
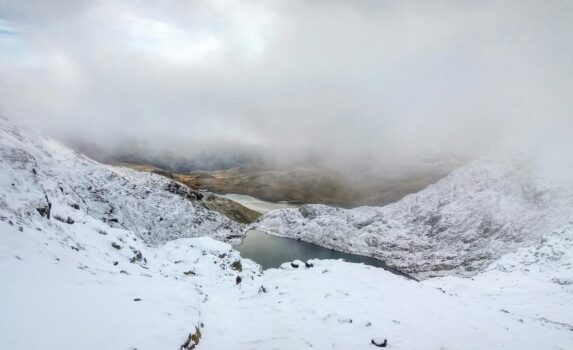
point(272, 251)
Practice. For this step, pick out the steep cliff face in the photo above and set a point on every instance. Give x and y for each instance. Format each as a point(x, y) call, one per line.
point(457, 226)
point(41, 178)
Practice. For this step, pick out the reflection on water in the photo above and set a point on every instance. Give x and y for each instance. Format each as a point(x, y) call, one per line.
point(257, 204)
point(271, 251)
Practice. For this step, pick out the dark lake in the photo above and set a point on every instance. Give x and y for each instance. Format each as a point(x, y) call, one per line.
point(271, 251)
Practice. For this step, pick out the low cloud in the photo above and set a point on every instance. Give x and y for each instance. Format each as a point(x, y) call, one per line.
point(222, 82)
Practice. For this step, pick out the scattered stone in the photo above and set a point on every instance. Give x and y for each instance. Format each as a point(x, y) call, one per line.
point(237, 266)
point(113, 220)
point(379, 342)
point(17, 257)
point(262, 289)
point(192, 341)
point(238, 279)
point(102, 232)
point(45, 211)
point(68, 220)
point(294, 265)
point(189, 273)
point(308, 265)
point(137, 257)
point(562, 282)
point(137, 299)
point(115, 245)
point(75, 206)
point(115, 263)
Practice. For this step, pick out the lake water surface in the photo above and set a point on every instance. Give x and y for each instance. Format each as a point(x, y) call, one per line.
point(271, 251)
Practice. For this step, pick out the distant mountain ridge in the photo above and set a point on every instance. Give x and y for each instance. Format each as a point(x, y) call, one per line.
point(459, 225)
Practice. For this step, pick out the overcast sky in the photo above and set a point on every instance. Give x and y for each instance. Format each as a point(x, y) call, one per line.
point(373, 80)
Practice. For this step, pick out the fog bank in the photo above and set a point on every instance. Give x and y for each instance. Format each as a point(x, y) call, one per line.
point(215, 83)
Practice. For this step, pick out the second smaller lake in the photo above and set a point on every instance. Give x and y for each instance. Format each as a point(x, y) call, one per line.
point(271, 251)
point(257, 204)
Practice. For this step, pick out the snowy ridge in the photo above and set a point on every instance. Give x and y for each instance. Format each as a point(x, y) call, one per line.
point(38, 173)
point(459, 225)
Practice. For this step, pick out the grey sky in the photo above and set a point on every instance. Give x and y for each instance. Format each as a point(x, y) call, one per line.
point(370, 80)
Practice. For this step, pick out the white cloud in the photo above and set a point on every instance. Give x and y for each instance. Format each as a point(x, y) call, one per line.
point(370, 79)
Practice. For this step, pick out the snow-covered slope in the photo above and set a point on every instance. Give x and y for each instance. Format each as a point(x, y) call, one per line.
point(457, 226)
point(42, 180)
point(89, 286)
point(71, 277)
point(81, 243)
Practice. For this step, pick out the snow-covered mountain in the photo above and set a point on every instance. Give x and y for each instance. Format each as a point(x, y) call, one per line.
point(41, 180)
point(459, 225)
point(94, 257)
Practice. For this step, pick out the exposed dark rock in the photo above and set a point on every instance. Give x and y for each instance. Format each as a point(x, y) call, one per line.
point(183, 191)
point(294, 265)
point(138, 257)
point(45, 210)
point(237, 266)
point(192, 340)
point(115, 245)
point(378, 343)
point(137, 299)
point(238, 280)
point(75, 206)
point(308, 265)
point(68, 220)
